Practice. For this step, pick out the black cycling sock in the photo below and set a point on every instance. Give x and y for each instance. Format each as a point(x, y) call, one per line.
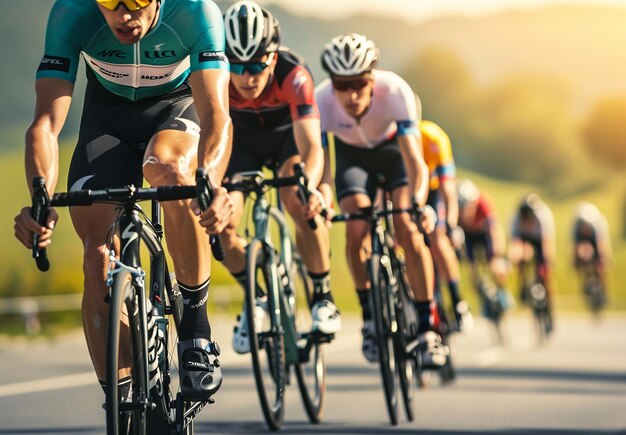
point(364, 300)
point(453, 286)
point(321, 287)
point(195, 322)
point(424, 316)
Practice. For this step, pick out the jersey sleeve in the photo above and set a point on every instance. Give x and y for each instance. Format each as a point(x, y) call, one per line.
point(298, 89)
point(64, 40)
point(407, 108)
point(208, 44)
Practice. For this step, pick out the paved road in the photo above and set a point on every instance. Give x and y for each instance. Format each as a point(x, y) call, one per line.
point(574, 384)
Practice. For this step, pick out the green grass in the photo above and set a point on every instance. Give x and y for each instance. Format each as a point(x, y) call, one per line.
point(19, 276)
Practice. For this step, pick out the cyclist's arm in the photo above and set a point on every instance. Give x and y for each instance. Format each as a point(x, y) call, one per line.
point(447, 187)
point(210, 94)
point(417, 171)
point(326, 185)
point(307, 134)
point(52, 104)
point(299, 89)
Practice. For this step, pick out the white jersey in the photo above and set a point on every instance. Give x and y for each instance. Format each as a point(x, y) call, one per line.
point(393, 101)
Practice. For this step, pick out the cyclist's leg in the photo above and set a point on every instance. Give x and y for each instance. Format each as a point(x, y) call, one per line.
point(100, 160)
point(171, 159)
point(420, 273)
point(92, 226)
point(448, 266)
point(314, 246)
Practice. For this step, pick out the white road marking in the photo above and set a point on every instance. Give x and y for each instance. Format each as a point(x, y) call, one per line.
point(58, 383)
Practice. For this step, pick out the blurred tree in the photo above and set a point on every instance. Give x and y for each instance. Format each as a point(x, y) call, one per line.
point(605, 132)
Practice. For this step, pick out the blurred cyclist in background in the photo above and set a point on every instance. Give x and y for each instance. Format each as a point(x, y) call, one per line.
point(533, 238)
point(592, 241)
point(442, 197)
point(483, 230)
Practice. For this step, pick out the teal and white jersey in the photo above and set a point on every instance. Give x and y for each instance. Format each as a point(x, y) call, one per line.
point(188, 36)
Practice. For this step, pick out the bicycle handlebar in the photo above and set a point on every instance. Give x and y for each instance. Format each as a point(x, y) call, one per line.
point(205, 194)
point(370, 213)
point(255, 181)
point(39, 212)
point(41, 202)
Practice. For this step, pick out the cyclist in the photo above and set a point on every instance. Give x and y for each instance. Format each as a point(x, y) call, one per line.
point(533, 237)
point(442, 197)
point(592, 242)
point(276, 123)
point(155, 107)
point(373, 116)
point(482, 228)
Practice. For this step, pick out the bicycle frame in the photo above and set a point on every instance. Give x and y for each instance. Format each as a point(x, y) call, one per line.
point(262, 211)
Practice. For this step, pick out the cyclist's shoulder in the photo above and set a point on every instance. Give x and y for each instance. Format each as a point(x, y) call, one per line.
point(291, 68)
point(433, 133)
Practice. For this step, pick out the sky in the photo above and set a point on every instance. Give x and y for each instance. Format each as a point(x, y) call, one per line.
point(419, 9)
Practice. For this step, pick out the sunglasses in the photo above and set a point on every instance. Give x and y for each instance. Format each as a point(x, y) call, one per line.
point(251, 67)
point(356, 84)
point(131, 5)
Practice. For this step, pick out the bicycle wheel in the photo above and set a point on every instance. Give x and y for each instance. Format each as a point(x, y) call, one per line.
point(384, 337)
point(311, 368)
point(125, 340)
point(167, 415)
point(267, 343)
point(405, 362)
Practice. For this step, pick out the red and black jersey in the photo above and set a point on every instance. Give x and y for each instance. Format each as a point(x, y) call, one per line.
point(288, 96)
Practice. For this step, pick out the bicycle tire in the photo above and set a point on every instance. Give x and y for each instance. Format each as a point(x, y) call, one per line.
point(122, 293)
point(311, 369)
point(386, 356)
point(162, 420)
point(407, 326)
point(267, 345)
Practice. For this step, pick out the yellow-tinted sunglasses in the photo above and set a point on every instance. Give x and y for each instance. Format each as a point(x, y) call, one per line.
point(131, 5)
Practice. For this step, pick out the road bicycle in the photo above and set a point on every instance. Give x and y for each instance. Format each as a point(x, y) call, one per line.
point(277, 280)
point(592, 288)
point(156, 404)
point(395, 317)
point(494, 299)
point(535, 294)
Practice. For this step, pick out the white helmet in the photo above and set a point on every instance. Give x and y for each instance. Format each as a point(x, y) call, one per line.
point(467, 192)
point(587, 212)
point(251, 31)
point(349, 54)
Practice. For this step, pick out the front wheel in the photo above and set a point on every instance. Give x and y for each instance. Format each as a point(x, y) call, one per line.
point(126, 361)
point(311, 368)
point(267, 340)
point(384, 337)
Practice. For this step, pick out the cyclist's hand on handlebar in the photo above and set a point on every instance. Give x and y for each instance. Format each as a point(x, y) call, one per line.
point(327, 193)
point(426, 219)
point(316, 204)
point(216, 217)
point(25, 226)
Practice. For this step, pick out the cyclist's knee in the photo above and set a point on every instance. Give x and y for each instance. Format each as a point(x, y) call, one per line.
point(167, 172)
point(95, 266)
point(407, 233)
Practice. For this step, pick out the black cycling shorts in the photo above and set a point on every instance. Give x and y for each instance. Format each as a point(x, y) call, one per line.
point(255, 148)
point(114, 133)
point(358, 169)
point(475, 239)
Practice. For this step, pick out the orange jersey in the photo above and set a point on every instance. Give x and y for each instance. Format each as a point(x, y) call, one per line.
point(437, 153)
